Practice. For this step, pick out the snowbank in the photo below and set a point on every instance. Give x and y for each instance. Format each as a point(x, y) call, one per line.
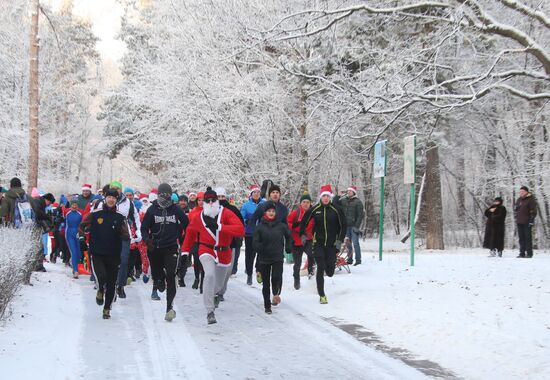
point(17, 251)
point(476, 316)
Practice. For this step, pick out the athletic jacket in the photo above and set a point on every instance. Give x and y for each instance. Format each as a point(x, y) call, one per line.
point(247, 210)
point(108, 228)
point(164, 227)
point(329, 224)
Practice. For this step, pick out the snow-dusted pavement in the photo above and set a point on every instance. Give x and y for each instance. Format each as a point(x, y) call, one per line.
point(456, 314)
point(56, 331)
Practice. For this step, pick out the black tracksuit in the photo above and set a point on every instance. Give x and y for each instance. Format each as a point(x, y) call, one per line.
point(329, 225)
point(271, 240)
point(108, 228)
point(162, 229)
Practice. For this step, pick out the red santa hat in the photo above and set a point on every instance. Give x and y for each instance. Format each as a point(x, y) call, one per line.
point(189, 193)
point(353, 188)
point(154, 190)
point(143, 196)
point(326, 190)
point(253, 188)
point(87, 186)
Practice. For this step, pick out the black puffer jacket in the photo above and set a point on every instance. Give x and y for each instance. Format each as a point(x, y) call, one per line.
point(271, 240)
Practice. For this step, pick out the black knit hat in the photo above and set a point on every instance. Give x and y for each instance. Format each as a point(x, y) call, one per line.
point(111, 193)
point(165, 188)
point(274, 188)
point(15, 182)
point(49, 197)
point(210, 194)
point(269, 205)
point(183, 197)
point(524, 188)
point(499, 199)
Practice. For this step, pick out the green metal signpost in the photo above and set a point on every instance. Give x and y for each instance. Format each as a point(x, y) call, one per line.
point(380, 156)
point(410, 178)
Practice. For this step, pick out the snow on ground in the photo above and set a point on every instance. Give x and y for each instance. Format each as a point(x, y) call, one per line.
point(56, 331)
point(475, 317)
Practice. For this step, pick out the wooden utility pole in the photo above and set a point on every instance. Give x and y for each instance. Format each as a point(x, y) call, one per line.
point(32, 177)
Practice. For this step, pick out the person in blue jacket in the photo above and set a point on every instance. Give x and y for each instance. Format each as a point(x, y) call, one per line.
point(247, 211)
point(72, 222)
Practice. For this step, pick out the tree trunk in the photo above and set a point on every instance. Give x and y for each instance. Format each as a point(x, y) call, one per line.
point(434, 206)
point(32, 174)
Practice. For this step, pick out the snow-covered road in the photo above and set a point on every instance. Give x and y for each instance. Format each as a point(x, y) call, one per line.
point(56, 331)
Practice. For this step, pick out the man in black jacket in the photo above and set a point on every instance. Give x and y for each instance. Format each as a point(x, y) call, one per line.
point(329, 229)
point(108, 228)
point(162, 229)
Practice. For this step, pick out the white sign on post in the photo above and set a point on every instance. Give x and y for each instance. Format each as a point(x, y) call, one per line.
point(379, 168)
point(409, 154)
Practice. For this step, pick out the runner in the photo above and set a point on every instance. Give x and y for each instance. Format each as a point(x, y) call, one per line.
point(162, 229)
point(271, 238)
point(213, 230)
point(299, 248)
point(72, 222)
point(329, 230)
point(108, 229)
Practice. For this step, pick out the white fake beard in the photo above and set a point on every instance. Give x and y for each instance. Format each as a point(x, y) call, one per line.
point(211, 209)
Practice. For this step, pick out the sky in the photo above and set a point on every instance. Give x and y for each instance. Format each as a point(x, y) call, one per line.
point(105, 17)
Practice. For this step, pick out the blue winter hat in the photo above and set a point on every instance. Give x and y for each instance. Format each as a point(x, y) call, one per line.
point(175, 197)
point(63, 199)
point(128, 190)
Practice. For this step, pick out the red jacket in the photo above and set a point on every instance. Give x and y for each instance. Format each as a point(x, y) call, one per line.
point(293, 222)
point(229, 227)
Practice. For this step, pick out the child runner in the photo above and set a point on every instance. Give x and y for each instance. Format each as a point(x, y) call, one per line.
point(271, 238)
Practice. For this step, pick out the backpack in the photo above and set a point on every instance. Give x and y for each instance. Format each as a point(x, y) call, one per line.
point(23, 212)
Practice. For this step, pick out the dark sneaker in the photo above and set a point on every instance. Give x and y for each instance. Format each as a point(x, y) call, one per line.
point(249, 280)
point(155, 296)
point(195, 284)
point(297, 284)
point(357, 263)
point(181, 282)
point(99, 297)
point(211, 318)
point(529, 256)
point(268, 310)
point(259, 277)
point(161, 285)
point(216, 301)
point(220, 296)
point(520, 256)
point(120, 292)
point(145, 279)
point(106, 314)
point(349, 261)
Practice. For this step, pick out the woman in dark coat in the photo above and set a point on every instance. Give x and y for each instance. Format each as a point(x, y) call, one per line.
point(494, 229)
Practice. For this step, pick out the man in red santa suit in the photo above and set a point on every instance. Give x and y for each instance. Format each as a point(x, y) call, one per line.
point(213, 230)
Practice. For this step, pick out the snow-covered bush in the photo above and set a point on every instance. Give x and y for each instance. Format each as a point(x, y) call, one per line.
point(17, 256)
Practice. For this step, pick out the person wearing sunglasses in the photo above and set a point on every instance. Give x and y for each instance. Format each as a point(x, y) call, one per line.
point(213, 230)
